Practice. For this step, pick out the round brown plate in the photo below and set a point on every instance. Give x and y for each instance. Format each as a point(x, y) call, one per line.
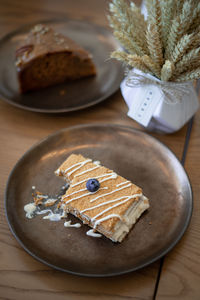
point(69, 96)
point(131, 153)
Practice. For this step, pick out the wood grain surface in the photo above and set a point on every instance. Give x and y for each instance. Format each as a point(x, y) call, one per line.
point(180, 277)
point(22, 277)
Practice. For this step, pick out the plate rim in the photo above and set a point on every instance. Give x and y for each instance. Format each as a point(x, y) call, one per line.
point(61, 110)
point(96, 275)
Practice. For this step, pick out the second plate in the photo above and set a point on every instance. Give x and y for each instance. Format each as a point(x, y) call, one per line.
point(69, 96)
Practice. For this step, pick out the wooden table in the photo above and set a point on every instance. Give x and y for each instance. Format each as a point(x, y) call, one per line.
point(177, 276)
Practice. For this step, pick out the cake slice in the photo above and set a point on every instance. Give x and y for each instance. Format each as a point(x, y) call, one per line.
point(107, 202)
point(47, 58)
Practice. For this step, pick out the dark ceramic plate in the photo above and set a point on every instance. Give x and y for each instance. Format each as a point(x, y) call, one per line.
point(69, 96)
point(131, 153)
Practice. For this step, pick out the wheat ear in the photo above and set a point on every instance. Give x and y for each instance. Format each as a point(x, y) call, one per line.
point(151, 65)
point(180, 26)
point(181, 48)
point(154, 45)
point(167, 70)
point(167, 10)
point(124, 20)
point(189, 76)
point(195, 24)
point(189, 62)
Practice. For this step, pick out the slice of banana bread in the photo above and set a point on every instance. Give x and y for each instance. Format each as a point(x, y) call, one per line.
point(47, 58)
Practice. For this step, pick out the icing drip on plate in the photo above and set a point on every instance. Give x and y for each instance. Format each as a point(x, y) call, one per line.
point(93, 234)
point(51, 216)
point(68, 224)
point(30, 209)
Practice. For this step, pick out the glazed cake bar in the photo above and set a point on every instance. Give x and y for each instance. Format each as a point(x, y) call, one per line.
point(99, 197)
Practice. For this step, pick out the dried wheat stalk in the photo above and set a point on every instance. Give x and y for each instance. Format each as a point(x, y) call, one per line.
point(154, 15)
point(152, 66)
point(189, 76)
point(124, 20)
point(167, 45)
point(167, 70)
point(132, 60)
point(154, 45)
point(189, 62)
point(181, 47)
point(166, 18)
point(180, 25)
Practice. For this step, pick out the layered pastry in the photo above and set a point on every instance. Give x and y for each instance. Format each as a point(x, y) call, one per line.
point(46, 58)
point(107, 202)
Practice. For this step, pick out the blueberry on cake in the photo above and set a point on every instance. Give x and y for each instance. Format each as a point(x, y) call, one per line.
point(46, 58)
point(107, 202)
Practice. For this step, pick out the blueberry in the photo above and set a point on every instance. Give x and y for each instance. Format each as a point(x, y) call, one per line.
point(92, 185)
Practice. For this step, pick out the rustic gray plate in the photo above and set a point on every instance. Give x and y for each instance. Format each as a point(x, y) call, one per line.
point(131, 153)
point(69, 96)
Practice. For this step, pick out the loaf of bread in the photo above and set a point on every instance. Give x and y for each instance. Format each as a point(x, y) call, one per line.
point(47, 58)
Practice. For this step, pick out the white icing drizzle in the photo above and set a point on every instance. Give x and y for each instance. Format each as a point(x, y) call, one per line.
point(106, 218)
point(51, 216)
point(68, 224)
point(122, 183)
point(115, 205)
point(88, 170)
point(79, 164)
point(93, 234)
point(84, 195)
point(96, 162)
point(110, 201)
point(42, 196)
point(44, 211)
point(50, 201)
point(92, 200)
point(81, 196)
point(29, 209)
point(57, 172)
point(111, 176)
point(116, 190)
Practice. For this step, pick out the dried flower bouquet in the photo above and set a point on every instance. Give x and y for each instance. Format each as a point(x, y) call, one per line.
point(166, 45)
